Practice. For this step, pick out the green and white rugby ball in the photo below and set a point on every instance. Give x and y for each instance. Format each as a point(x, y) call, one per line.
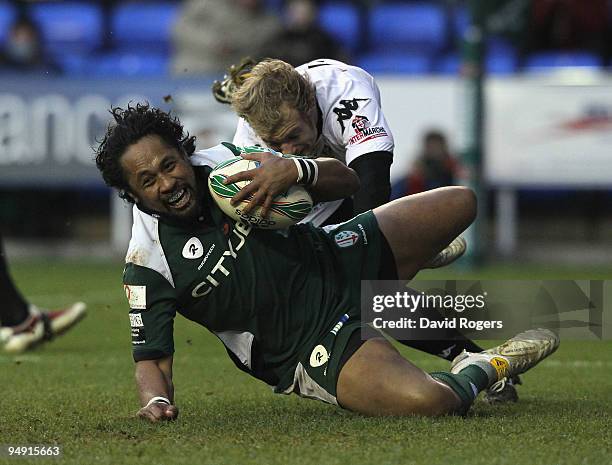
point(287, 209)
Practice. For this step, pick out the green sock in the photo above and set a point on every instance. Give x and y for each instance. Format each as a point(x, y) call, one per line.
point(466, 384)
point(477, 376)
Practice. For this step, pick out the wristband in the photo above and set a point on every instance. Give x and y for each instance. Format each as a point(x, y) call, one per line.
point(299, 170)
point(159, 399)
point(308, 171)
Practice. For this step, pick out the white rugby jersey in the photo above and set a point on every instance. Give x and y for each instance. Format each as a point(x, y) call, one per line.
point(353, 121)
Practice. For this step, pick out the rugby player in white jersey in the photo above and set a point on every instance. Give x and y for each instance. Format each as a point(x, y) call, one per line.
point(322, 108)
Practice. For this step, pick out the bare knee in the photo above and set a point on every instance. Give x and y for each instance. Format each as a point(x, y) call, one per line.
point(433, 398)
point(418, 227)
point(465, 202)
point(423, 396)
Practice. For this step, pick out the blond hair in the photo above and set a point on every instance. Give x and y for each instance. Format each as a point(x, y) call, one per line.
point(271, 84)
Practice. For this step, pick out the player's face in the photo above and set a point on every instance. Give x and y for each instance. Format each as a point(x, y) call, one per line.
point(297, 133)
point(160, 178)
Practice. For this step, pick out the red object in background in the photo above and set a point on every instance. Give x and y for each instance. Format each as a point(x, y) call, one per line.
point(568, 24)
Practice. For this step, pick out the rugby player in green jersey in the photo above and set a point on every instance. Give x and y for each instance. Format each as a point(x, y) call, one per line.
point(285, 304)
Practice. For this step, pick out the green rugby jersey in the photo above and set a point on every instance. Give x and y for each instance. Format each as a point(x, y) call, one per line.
point(266, 295)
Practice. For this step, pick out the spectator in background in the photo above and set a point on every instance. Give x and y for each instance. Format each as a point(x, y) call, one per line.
point(23, 51)
point(302, 40)
point(210, 35)
point(435, 166)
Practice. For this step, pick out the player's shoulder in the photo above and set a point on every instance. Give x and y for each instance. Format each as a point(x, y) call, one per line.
point(145, 252)
point(223, 152)
point(334, 79)
point(325, 68)
point(245, 134)
point(339, 86)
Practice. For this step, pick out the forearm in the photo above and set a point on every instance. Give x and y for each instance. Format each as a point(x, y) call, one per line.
point(326, 179)
point(335, 180)
point(373, 170)
point(154, 378)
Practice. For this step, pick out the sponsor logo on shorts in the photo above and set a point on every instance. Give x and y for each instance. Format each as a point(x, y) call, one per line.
point(193, 249)
point(136, 320)
point(346, 238)
point(319, 356)
point(339, 325)
point(138, 336)
point(136, 296)
point(363, 233)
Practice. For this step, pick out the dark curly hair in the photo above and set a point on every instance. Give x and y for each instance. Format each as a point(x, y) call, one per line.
point(132, 124)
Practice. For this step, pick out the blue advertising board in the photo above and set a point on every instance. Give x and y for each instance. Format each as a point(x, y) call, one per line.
point(49, 126)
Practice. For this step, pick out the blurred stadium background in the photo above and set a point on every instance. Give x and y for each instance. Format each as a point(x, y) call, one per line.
point(536, 145)
point(546, 165)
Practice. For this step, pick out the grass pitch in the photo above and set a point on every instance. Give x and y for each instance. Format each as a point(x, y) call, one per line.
point(78, 392)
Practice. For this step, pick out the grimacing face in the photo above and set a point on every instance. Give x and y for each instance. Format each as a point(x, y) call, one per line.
point(160, 178)
point(297, 133)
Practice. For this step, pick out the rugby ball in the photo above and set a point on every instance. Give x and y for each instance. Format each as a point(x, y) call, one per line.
point(287, 209)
